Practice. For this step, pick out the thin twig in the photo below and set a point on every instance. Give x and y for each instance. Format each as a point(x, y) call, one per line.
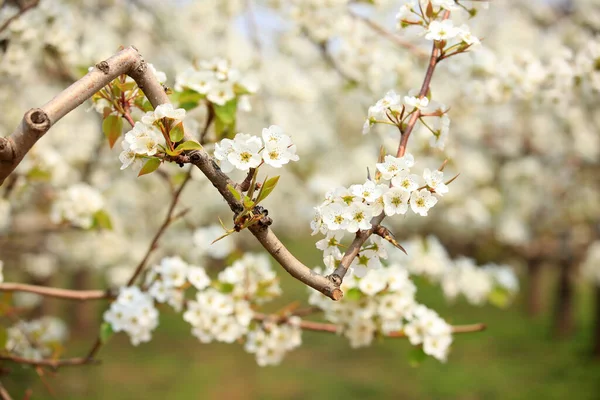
point(54, 364)
point(333, 328)
point(389, 35)
point(67, 294)
point(362, 236)
point(4, 395)
point(22, 10)
point(167, 221)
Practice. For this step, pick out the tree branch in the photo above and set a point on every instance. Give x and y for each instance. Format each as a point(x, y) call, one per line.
point(67, 294)
point(362, 236)
point(54, 364)
point(389, 35)
point(23, 8)
point(128, 61)
point(333, 328)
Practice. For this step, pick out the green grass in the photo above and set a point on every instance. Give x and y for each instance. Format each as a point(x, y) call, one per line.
point(515, 358)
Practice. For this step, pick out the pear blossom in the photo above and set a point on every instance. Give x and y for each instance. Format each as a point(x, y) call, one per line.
point(406, 181)
point(421, 201)
point(358, 216)
point(393, 165)
point(245, 152)
point(396, 201)
point(435, 180)
point(443, 30)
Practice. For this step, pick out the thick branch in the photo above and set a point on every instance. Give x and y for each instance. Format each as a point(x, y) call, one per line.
point(67, 294)
point(128, 61)
point(38, 121)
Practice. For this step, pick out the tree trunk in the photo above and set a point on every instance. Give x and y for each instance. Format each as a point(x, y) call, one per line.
point(534, 290)
point(596, 333)
point(563, 317)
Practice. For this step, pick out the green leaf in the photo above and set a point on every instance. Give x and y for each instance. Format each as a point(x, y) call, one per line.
point(102, 220)
point(188, 145)
point(187, 99)
point(142, 103)
point(112, 127)
point(353, 294)
point(499, 297)
point(150, 166)
point(226, 112)
point(416, 356)
point(176, 133)
point(226, 287)
point(248, 203)
point(267, 188)
point(234, 192)
point(106, 332)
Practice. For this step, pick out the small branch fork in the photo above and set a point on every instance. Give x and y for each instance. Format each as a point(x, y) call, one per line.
point(38, 121)
point(362, 236)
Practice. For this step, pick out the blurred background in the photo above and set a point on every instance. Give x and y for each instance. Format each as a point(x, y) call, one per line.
point(524, 137)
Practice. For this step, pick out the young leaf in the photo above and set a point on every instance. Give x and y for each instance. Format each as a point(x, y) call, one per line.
point(176, 133)
point(234, 192)
point(267, 188)
point(150, 166)
point(188, 145)
point(106, 332)
point(102, 220)
point(416, 356)
point(248, 203)
point(112, 127)
point(226, 112)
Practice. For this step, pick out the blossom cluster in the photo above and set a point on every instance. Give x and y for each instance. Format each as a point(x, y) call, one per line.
point(77, 205)
point(36, 339)
point(218, 81)
point(269, 342)
point(351, 209)
point(147, 137)
point(427, 257)
point(411, 14)
point(218, 316)
point(247, 151)
point(383, 302)
point(166, 281)
point(133, 312)
point(395, 109)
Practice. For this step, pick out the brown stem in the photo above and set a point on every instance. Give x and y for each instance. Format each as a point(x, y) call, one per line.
point(535, 290)
point(22, 10)
point(361, 236)
point(389, 35)
point(167, 221)
point(332, 328)
point(209, 119)
point(54, 364)
point(4, 395)
point(67, 294)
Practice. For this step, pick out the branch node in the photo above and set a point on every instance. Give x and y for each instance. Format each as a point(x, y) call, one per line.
point(335, 279)
point(37, 121)
point(194, 157)
point(104, 67)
